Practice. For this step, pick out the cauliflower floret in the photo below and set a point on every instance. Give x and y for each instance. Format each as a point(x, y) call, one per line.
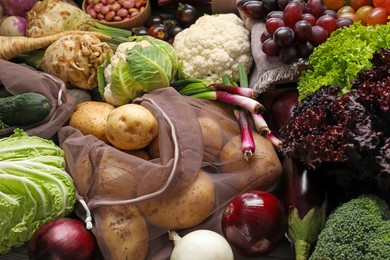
point(213, 47)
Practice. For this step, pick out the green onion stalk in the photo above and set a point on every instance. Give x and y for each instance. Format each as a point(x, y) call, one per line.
point(244, 102)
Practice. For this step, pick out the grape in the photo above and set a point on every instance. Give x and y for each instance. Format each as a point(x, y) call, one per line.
point(343, 22)
point(309, 17)
point(265, 35)
point(270, 48)
point(331, 13)
point(254, 9)
point(292, 14)
point(315, 7)
point(283, 3)
point(304, 48)
point(302, 30)
point(284, 36)
point(274, 14)
point(302, 3)
point(318, 35)
point(288, 54)
point(270, 5)
point(328, 22)
point(272, 24)
point(240, 3)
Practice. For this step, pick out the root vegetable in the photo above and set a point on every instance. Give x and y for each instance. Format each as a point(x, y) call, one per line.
point(262, 171)
point(123, 231)
point(75, 59)
point(154, 148)
point(131, 127)
point(224, 115)
point(49, 17)
point(200, 244)
point(212, 137)
point(13, 26)
point(141, 153)
point(90, 117)
point(182, 210)
point(11, 46)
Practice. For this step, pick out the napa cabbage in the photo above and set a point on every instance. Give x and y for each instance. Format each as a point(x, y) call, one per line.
point(34, 187)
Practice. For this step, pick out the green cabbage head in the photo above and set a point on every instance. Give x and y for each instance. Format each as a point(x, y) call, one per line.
point(34, 187)
point(145, 64)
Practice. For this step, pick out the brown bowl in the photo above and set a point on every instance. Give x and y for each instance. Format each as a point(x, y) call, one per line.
point(134, 22)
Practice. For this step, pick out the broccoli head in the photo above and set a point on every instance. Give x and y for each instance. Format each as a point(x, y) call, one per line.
point(357, 229)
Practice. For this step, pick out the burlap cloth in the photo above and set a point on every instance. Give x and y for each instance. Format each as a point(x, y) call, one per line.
point(18, 79)
point(266, 70)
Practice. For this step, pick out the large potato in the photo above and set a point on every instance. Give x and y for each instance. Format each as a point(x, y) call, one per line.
point(90, 117)
point(263, 170)
point(212, 137)
point(131, 127)
point(183, 210)
point(123, 232)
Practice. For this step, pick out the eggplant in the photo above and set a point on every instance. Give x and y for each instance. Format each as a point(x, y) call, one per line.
point(306, 204)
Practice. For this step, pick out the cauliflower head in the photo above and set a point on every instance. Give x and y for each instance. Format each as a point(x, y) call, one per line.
point(213, 47)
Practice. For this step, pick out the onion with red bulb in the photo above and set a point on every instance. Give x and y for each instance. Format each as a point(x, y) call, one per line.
point(254, 223)
point(63, 238)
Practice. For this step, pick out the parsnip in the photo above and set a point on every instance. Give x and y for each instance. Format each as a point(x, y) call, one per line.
point(11, 46)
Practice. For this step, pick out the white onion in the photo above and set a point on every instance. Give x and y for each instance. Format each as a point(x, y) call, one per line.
point(200, 244)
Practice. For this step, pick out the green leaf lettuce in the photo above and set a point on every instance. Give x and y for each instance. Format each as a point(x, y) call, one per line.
point(344, 54)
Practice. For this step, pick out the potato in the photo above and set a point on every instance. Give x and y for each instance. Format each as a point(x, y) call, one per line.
point(141, 153)
point(182, 210)
point(124, 232)
point(263, 170)
point(224, 115)
point(154, 148)
point(114, 178)
point(90, 117)
point(131, 127)
point(212, 137)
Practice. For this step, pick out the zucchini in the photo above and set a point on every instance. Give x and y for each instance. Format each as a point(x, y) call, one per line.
point(23, 109)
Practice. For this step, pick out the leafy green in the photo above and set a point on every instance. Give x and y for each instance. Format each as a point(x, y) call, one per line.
point(344, 54)
point(144, 69)
point(34, 187)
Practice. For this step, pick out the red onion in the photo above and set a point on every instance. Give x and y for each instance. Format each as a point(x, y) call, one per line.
point(63, 238)
point(254, 223)
point(17, 7)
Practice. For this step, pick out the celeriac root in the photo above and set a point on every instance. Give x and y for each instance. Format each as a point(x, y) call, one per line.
point(11, 46)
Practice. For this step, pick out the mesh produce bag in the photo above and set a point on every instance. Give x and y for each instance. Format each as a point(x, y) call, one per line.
point(18, 79)
point(114, 182)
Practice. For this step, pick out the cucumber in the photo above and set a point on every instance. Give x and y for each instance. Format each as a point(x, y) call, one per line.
point(4, 92)
point(23, 109)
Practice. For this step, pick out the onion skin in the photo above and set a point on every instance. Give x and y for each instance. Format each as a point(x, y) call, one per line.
point(305, 205)
point(254, 223)
point(17, 7)
point(60, 239)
